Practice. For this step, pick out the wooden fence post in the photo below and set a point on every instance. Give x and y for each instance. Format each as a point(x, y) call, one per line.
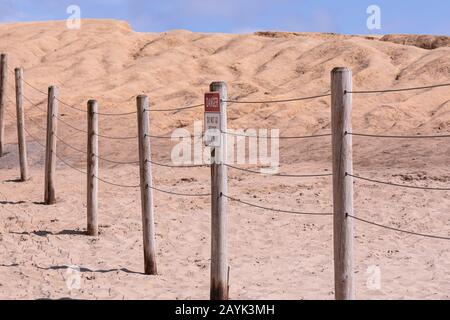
point(21, 125)
point(341, 124)
point(146, 183)
point(219, 181)
point(92, 169)
point(3, 79)
point(50, 152)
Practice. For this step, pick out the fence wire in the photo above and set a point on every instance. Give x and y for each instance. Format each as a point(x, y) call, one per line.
point(116, 114)
point(115, 138)
point(69, 145)
point(106, 113)
point(178, 166)
point(70, 125)
point(398, 230)
point(400, 90)
point(281, 174)
point(277, 101)
point(273, 209)
point(396, 184)
point(237, 101)
point(177, 109)
point(273, 137)
point(114, 183)
point(399, 136)
point(103, 158)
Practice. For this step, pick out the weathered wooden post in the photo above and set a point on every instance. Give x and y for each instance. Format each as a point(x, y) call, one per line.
point(3, 79)
point(50, 150)
point(92, 169)
point(341, 124)
point(21, 125)
point(219, 223)
point(146, 183)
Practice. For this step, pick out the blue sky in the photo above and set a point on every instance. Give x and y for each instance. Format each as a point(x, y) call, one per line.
point(237, 16)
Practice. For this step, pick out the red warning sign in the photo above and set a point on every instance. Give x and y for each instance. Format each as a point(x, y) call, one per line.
point(212, 102)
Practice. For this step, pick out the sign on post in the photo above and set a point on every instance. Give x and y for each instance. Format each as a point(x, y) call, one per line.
point(212, 119)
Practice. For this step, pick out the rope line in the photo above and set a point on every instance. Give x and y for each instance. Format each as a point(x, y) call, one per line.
point(279, 101)
point(152, 162)
point(109, 113)
point(34, 105)
point(71, 106)
point(116, 184)
point(35, 123)
point(283, 137)
point(399, 230)
point(154, 188)
point(115, 114)
point(76, 169)
point(149, 110)
point(69, 165)
point(46, 94)
point(170, 137)
point(70, 146)
point(147, 135)
point(176, 166)
point(57, 117)
point(29, 134)
point(399, 137)
point(280, 174)
point(182, 194)
point(101, 135)
point(56, 136)
point(116, 138)
point(176, 109)
point(70, 125)
point(275, 210)
point(398, 90)
point(27, 83)
point(103, 158)
point(33, 87)
point(57, 156)
point(115, 161)
point(245, 135)
point(396, 184)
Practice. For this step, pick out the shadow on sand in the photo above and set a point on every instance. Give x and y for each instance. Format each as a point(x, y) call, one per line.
point(83, 269)
point(44, 233)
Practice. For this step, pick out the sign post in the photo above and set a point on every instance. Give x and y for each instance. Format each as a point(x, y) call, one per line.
point(215, 137)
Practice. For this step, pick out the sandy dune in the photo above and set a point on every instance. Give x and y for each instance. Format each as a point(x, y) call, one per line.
point(272, 255)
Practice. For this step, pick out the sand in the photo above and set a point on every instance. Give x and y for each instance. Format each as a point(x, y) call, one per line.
point(272, 255)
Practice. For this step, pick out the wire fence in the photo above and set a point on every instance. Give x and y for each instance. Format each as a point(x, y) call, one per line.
point(317, 175)
point(383, 136)
point(238, 101)
point(400, 89)
point(397, 184)
point(276, 210)
point(278, 101)
point(342, 188)
point(397, 229)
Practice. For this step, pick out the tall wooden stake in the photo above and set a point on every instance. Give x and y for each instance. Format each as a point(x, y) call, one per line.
point(21, 125)
point(50, 152)
point(219, 181)
point(92, 169)
point(341, 124)
point(3, 79)
point(148, 221)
